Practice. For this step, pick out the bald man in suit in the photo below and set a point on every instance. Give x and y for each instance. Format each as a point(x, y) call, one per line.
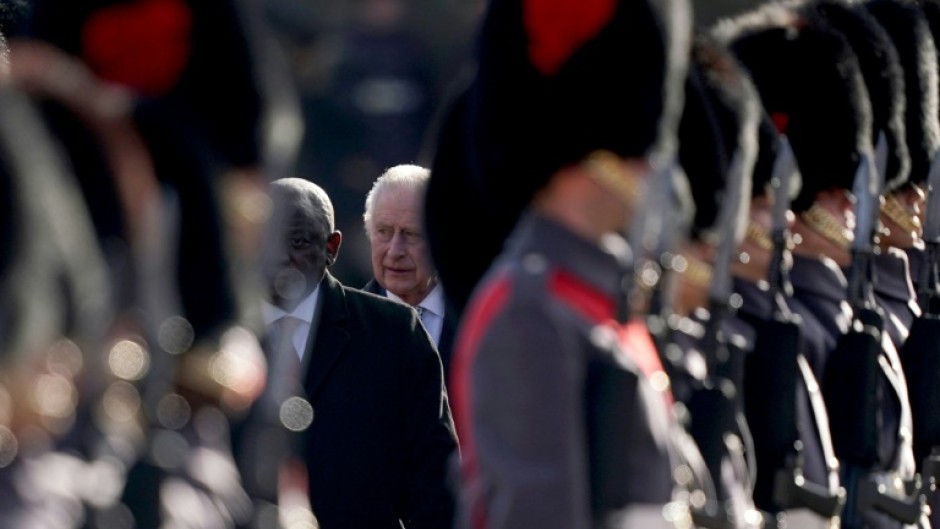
point(377, 451)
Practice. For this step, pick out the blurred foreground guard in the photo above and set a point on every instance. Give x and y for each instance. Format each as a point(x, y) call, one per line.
point(52, 314)
point(563, 408)
point(717, 151)
point(377, 433)
point(179, 226)
point(175, 57)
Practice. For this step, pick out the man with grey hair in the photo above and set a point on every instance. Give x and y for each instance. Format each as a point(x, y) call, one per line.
point(401, 263)
point(377, 449)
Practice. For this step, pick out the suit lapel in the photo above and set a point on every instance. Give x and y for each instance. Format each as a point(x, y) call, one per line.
point(331, 336)
point(448, 332)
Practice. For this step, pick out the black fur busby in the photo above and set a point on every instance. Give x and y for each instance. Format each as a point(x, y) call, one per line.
point(811, 85)
point(12, 15)
point(767, 149)
point(884, 79)
point(719, 121)
point(196, 68)
point(909, 30)
point(53, 277)
point(553, 82)
point(558, 80)
point(190, 60)
point(453, 197)
point(931, 10)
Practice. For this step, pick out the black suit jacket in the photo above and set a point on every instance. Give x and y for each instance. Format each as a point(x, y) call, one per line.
point(448, 331)
point(378, 449)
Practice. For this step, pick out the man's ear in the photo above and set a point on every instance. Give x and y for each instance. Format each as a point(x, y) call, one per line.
point(333, 242)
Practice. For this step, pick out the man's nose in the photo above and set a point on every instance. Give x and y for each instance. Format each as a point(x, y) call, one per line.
point(397, 245)
point(275, 252)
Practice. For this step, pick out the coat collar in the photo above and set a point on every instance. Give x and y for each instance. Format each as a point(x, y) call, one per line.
point(819, 277)
point(893, 276)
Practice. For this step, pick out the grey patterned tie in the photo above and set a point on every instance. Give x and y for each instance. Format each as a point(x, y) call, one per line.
point(285, 362)
point(424, 314)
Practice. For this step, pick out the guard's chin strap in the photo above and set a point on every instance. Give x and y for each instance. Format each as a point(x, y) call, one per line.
point(821, 221)
point(630, 187)
point(758, 236)
point(894, 210)
point(608, 170)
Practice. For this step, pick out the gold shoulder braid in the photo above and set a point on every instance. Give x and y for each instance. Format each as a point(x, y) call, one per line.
point(605, 167)
point(894, 210)
point(697, 272)
point(758, 236)
point(824, 223)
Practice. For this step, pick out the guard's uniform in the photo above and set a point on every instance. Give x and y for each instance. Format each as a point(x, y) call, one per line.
point(812, 422)
point(894, 293)
point(916, 259)
point(716, 421)
point(820, 288)
point(895, 278)
point(565, 422)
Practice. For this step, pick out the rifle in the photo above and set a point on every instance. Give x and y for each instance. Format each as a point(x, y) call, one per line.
point(718, 425)
point(652, 234)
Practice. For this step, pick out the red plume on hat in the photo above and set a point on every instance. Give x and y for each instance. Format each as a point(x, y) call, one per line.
point(144, 45)
point(557, 28)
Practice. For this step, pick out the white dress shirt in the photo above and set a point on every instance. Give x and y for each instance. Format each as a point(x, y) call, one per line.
point(304, 312)
point(432, 313)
